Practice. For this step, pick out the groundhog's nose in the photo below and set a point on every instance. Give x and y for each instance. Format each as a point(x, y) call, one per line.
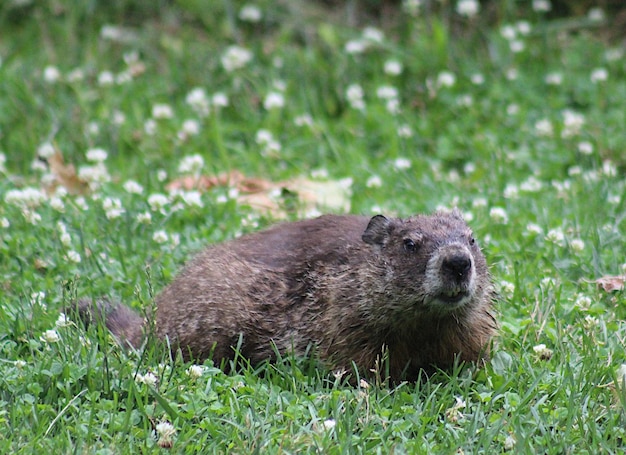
point(457, 265)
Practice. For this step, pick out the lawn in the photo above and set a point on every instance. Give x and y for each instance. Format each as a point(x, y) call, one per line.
point(131, 134)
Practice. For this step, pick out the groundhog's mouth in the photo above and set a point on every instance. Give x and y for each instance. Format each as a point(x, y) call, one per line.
point(452, 296)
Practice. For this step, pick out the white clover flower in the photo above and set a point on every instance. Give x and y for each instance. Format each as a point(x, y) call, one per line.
point(106, 78)
point(392, 67)
point(94, 175)
point(144, 218)
point(479, 202)
point(544, 127)
point(353, 47)
point(517, 46)
point(543, 352)
point(523, 27)
point(412, 6)
point(596, 14)
point(554, 78)
point(65, 238)
point(542, 6)
point(233, 193)
point(531, 185)
point(73, 256)
point(612, 55)
point(614, 199)
point(609, 169)
point(123, 77)
point(572, 123)
point(499, 215)
point(599, 75)
point(191, 164)
point(235, 57)
point(149, 379)
point(199, 102)
point(511, 191)
point(453, 413)
point(577, 245)
point(465, 100)
point(133, 187)
point(37, 298)
point(51, 74)
point(402, 163)
point(508, 32)
point(507, 288)
point(31, 217)
point(165, 431)
point(150, 127)
point(512, 109)
point(160, 236)
point(28, 197)
point(96, 155)
point(509, 442)
point(329, 424)
point(303, 120)
point(274, 100)
point(62, 321)
point(556, 236)
point(162, 111)
point(586, 148)
point(511, 74)
point(574, 170)
point(45, 150)
point(4, 223)
point(477, 79)
point(190, 127)
point(195, 371)
point(50, 336)
point(250, 13)
point(386, 92)
point(112, 208)
point(405, 131)
point(583, 301)
point(354, 95)
point(263, 137)
point(446, 79)
point(374, 181)
point(373, 34)
point(533, 228)
point(157, 201)
point(57, 204)
point(192, 198)
point(468, 8)
point(20, 364)
point(175, 239)
point(219, 99)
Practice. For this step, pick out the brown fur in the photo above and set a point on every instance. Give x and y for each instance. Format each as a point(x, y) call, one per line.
point(348, 286)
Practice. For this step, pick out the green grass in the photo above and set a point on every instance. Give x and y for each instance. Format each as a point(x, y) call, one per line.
point(478, 146)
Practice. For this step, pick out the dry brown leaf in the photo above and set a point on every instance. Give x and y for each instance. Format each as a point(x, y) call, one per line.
point(611, 283)
point(65, 174)
point(270, 197)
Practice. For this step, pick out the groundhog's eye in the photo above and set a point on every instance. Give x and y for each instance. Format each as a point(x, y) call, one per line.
point(409, 245)
point(472, 241)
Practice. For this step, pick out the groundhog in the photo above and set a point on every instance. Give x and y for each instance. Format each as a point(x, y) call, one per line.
point(349, 287)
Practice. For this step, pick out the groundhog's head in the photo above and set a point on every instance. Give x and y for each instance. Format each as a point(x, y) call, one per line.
point(432, 263)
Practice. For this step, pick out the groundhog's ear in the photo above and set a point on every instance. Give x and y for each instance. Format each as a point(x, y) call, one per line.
point(377, 230)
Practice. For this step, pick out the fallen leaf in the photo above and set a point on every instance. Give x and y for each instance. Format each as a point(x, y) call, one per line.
point(611, 283)
point(65, 175)
point(275, 198)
